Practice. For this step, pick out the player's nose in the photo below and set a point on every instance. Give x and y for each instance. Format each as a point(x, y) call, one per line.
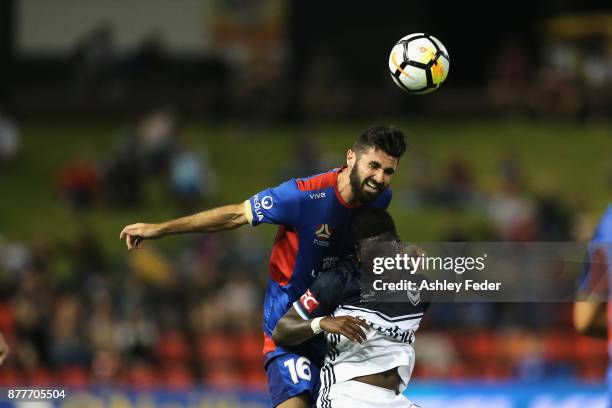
point(379, 177)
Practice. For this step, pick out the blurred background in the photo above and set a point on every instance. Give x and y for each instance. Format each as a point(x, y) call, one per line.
point(114, 112)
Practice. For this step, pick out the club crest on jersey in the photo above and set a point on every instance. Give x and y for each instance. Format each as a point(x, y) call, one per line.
point(308, 301)
point(414, 296)
point(322, 235)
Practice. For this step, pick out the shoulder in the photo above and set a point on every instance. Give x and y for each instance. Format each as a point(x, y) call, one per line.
point(318, 181)
point(604, 229)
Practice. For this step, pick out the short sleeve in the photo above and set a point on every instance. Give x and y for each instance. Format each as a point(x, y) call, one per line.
point(278, 205)
point(321, 297)
point(594, 281)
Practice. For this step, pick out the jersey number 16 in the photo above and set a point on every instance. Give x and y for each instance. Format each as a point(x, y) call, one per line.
point(299, 369)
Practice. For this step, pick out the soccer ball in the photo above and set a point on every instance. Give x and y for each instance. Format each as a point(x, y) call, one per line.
point(419, 63)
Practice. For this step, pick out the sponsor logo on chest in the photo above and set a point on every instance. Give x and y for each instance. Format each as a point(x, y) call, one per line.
point(316, 196)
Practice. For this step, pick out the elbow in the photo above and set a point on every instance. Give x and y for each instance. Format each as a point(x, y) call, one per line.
point(584, 318)
point(279, 334)
point(582, 326)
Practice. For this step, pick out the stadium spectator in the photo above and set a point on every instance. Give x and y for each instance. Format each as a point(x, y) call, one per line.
point(4, 349)
point(123, 173)
point(509, 79)
point(327, 94)
point(307, 156)
point(422, 187)
point(156, 135)
point(10, 138)
point(510, 210)
point(95, 61)
point(457, 189)
point(67, 343)
point(145, 67)
point(557, 94)
point(191, 177)
point(151, 148)
point(79, 183)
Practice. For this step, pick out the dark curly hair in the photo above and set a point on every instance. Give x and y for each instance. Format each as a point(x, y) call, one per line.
point(370, 222)
point(386, 138)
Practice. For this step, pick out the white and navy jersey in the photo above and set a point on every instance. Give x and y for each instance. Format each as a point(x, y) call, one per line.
point(392, 328)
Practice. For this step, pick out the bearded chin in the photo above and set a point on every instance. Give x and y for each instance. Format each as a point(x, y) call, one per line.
point(357, 188)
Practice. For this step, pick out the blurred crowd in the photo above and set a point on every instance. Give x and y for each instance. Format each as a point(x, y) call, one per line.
point(76, 317)
point(263, 83)
point(153, 149)
point(561, 79)
point(526, 341)
point(10, 138)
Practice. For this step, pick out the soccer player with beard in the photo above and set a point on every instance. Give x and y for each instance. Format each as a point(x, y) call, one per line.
point(314, 216)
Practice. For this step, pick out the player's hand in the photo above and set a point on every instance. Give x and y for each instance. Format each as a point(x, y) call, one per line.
point(4, 349)
point(350, 327)
point(135, 233)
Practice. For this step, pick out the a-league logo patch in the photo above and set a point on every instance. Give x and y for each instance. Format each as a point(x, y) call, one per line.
point(309, 302)
point(323, 233)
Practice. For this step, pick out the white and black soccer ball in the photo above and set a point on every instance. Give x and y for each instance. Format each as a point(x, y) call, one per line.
point(419, 63)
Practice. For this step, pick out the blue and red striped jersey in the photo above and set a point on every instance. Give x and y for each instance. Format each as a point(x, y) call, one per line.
point(313, 235)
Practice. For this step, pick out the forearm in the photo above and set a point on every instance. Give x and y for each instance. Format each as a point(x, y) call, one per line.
point(590, 319)
point(217, 219)
point(291, 332)
point(291, 329)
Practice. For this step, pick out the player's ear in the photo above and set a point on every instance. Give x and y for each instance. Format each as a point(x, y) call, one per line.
point(351, 157)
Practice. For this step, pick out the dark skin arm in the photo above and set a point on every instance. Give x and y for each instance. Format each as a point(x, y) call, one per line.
point(292, 330)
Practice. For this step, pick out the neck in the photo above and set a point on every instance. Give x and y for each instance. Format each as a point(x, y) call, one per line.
point(344, 186)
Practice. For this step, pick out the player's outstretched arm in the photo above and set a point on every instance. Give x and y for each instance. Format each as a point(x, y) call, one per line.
point(590, 315)
point(217, 219)
point(4, 349)
point(292, 329)
point(590, 319)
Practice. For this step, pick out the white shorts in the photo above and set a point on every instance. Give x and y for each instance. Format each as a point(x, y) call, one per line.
point(355, 394)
